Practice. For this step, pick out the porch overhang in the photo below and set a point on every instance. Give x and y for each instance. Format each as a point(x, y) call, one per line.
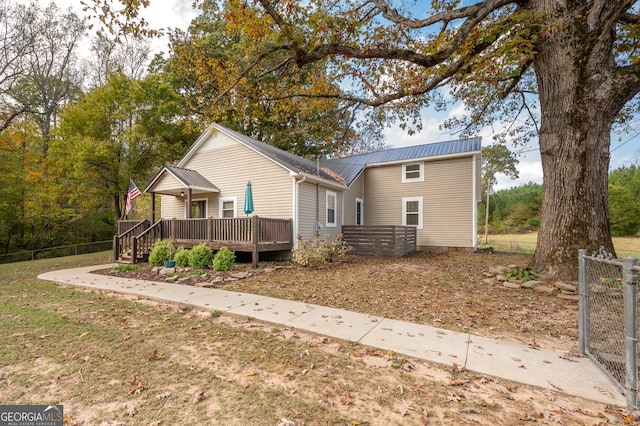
point(178, 181)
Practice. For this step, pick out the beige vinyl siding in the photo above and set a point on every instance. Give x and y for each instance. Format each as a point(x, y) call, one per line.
point(311, 195)
point(229, 164)
point(306, 210)
point(167, 182)
point(350, 195)
point(175, 207)
point(447, 191)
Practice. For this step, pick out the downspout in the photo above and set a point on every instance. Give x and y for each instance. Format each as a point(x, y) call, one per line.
point(296, 211)
point(318, 198)
point(474, 182)
point(317, 209)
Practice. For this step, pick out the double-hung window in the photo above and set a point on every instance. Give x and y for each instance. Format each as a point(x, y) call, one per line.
point(359, 217)
point(228, 207)
point(412, 211)
point(332, 199)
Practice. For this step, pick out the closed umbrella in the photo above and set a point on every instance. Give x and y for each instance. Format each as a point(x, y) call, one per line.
point(248, 199)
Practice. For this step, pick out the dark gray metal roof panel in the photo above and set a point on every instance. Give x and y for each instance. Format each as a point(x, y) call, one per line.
point(350, 167)
point(191, 178)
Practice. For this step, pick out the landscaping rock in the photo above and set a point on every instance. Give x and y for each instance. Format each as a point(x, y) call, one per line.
point(156, 269)
point(546, 289)
point(172, 278)
point(498, 270)
point(217, 280)
point(205, 284)
point(241, 275)
point(166, 271)
point(489, 281)
point(566, 286)
point(511, 284)
point(531, 284)
point(564, 296)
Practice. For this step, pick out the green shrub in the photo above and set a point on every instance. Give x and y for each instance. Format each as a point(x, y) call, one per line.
point(182, 257)
point(522, 274)
point(224, 259)
point(162, 250)
point(320, 251)
point(200, 256)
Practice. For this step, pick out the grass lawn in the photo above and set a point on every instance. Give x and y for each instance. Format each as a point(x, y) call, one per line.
point(526, 243)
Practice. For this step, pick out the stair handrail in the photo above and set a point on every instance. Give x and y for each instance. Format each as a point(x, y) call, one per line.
point(143, 243)
point(123, 242)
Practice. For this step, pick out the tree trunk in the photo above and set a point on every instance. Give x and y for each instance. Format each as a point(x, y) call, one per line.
point(577, 111)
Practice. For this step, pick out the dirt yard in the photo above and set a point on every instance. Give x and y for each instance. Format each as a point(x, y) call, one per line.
point(117, 361)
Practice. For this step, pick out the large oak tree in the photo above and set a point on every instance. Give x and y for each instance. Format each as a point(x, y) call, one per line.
point(578, 58)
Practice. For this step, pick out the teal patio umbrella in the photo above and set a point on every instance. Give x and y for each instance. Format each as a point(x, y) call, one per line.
point(248, 199)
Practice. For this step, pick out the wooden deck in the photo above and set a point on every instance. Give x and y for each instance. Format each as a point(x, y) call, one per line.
point(255, 235)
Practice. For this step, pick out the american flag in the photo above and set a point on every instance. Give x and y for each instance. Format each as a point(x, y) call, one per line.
point(133, 193)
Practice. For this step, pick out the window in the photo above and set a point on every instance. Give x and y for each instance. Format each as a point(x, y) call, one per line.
point(413, 172)
point(331, 208)
point(359, 205)
point(412, 211)
point(199, 209)
point(228, 207)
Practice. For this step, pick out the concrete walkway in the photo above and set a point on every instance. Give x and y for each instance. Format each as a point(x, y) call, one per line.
point(519, 363)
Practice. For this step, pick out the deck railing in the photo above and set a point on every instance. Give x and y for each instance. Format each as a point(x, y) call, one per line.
point(252, 234)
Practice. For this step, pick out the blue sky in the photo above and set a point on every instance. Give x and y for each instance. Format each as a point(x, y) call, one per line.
point(625, 147)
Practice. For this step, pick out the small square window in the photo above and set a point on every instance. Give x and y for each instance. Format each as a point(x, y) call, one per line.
point(413, 172)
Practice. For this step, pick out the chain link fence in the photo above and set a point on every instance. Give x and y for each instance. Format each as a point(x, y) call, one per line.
point(608, 320)
point(60, 251)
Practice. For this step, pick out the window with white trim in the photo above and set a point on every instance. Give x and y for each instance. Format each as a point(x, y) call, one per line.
point(332, 199)
point(228, 206)
point(412, 211)
point(413, 172)
point(359, 212)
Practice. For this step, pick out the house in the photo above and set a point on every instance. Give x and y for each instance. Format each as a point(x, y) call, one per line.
point(433, 187)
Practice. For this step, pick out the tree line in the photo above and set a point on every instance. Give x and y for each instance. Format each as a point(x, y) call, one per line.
point(76, 125)
point(517, 209)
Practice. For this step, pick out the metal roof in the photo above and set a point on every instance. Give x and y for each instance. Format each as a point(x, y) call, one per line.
point(340, 171)
point(191, 178)
point(187, 177)
point(350, 167)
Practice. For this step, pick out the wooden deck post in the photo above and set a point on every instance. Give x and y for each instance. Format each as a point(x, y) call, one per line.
point(116, 249)
point(255, 221)
point(134, 251)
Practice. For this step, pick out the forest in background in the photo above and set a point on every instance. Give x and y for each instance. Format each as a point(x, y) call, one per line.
point(517, 210)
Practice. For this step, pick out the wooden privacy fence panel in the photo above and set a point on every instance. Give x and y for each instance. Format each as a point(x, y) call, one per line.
point(380, 241)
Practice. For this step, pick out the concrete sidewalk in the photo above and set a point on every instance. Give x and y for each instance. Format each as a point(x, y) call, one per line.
point(519, 363)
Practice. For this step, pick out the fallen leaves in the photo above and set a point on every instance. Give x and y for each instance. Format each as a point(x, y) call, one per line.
point(135, 386)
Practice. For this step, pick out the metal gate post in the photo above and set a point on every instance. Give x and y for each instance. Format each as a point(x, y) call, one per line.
point(583, 307)
point(630, 288)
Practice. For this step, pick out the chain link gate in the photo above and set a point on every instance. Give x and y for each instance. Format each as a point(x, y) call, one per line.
point(608, 320)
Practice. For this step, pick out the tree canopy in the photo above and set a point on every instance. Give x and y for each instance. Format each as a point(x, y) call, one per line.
point(577, 61)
